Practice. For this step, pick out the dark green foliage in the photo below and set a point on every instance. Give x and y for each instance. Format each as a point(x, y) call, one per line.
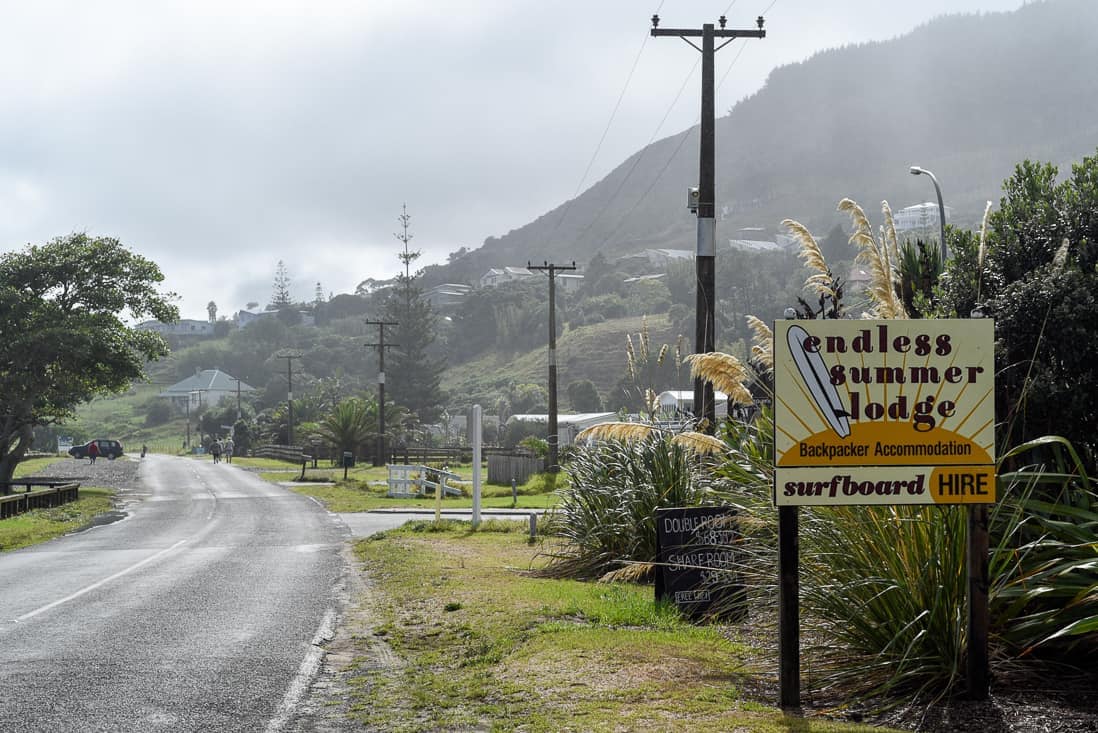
point(64, 307)
point(584, 396)
point(243, 439)
point(415, 370)
point(1038, 281)
point(157, 411)
point(920, 268)
point(606, 516)
point(280, 290)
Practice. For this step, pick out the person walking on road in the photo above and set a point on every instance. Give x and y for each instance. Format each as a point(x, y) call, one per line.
point(228, 450)
point(215, 451)
point(93, 451)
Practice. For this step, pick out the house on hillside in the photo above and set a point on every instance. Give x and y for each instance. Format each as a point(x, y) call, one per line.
point(206, 388)
point(569, 282)
point(919, 221)
point(447, 296)
point(245, 318)
point(755, 245)
point(660, 257)
point(182, 327)
point(500, 275)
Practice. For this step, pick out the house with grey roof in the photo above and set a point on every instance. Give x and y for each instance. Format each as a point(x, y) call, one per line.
point(207, 388)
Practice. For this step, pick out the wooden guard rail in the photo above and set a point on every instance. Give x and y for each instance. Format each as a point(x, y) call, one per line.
point(55, 492)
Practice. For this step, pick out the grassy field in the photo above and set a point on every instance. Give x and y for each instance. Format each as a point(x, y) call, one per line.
point(366, 486)
point(485, 645)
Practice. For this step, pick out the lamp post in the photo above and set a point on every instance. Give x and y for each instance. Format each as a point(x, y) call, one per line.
point(917, 171)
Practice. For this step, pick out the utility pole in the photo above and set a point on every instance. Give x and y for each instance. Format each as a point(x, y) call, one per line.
point(705, 259)
point(238, 413)
point(290, 391)
point(553, 437)
point(379, 457)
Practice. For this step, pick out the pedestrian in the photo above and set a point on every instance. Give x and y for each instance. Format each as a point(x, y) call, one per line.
point(93, 451)
point(228, 449)
point(215, 451)
point(144, 450)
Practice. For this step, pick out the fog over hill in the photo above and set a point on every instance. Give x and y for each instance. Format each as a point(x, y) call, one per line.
point(965, 96)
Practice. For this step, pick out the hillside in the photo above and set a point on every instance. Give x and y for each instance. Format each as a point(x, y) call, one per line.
point(966, 96)
point(595, 352)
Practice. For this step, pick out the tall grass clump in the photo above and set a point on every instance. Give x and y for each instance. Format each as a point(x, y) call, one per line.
point(605, 521)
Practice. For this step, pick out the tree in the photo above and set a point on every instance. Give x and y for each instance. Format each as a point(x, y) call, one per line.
point(211, 310)
point(584, 396)
point(1035, 274)
point(64, 307)
point(349, 425)
point(416, 372)
point(280, 293)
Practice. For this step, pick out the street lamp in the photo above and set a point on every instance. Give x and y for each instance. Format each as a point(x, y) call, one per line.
point(915, 171)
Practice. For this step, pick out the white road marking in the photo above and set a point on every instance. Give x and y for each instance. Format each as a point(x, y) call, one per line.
point(98, 583)
point(310, 665)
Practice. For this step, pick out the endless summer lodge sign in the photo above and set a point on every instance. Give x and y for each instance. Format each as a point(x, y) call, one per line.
point(884, 412)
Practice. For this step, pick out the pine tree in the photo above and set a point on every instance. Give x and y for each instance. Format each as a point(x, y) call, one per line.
point(280, 294)
point(416, 375)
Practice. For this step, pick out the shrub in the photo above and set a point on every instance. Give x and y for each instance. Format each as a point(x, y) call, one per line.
point(606, 517)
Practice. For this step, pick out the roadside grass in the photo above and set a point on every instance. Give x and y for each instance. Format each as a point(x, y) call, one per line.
point(487, 646)
point(39, 525)
point(365, 488)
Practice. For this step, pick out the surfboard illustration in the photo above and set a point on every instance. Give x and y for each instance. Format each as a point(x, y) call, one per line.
point(814, 373)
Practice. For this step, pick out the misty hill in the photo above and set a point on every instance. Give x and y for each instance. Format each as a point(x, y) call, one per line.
point(966, 96)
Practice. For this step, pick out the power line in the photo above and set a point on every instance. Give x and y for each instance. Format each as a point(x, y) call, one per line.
point(598, 148)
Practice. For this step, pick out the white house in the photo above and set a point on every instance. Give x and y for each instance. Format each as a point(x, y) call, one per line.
point(755, 245)
point(678, 402)
point(182, 327)
point(568, 426)
point(206, 388)
point(921, 220)
point(446, 296)
point(499, 275)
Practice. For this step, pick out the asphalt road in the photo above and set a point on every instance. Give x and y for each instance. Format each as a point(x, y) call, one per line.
point(201, 611)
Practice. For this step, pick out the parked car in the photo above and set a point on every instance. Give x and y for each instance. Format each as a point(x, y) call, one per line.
point(110, 449)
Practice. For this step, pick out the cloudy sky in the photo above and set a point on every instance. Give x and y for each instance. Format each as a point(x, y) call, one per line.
point(218, 137)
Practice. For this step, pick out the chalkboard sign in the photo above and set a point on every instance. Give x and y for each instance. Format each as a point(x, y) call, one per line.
point(697, 561)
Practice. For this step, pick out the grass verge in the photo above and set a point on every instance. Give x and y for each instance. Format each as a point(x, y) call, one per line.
point(486, 646)
point(39, 525)
point(365, 490)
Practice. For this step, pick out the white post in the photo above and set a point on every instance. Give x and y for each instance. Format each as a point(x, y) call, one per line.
point(477, 430)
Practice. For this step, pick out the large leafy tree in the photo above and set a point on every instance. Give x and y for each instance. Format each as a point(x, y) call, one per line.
point(1035, 273)
point(64, 338)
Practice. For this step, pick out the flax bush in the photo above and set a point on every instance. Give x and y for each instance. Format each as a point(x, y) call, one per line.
point(606, 517)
